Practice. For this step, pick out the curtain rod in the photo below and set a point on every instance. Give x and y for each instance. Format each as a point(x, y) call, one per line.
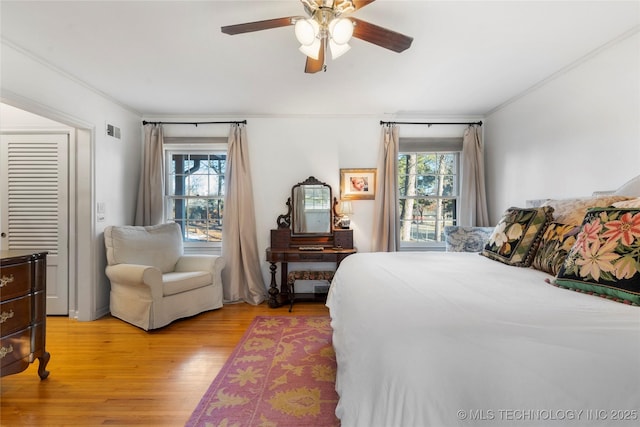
point(429, 124)
point(144, 122)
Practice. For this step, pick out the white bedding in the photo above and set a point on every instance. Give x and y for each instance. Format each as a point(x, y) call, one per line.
point(446, 339)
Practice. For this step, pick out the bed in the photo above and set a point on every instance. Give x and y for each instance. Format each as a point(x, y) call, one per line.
point(460, 339)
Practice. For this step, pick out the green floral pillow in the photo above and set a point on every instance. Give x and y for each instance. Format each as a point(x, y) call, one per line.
point(556, 242)
point(605, 259)
point(516, 237)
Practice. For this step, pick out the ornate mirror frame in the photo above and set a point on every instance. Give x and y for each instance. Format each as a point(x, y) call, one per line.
point(289, 219)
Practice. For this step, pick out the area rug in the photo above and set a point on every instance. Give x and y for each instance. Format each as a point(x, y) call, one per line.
point(282, 373)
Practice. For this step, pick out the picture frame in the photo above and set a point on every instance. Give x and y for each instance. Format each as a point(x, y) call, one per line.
point(358, 184)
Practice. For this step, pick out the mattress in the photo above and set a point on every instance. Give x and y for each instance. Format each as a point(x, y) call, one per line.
point(457, 339)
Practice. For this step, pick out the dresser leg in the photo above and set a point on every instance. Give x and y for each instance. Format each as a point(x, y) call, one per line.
point(42, 365)
point(273, 287)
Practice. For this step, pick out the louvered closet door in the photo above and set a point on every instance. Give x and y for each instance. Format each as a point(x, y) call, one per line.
point(34, 205)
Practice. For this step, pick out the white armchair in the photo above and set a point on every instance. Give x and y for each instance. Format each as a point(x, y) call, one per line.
point(152, 282)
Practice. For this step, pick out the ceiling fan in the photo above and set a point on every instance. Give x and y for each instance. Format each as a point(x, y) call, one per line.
point(328, 28)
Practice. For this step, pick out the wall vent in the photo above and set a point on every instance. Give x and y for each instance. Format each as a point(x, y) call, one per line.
point(113, 131)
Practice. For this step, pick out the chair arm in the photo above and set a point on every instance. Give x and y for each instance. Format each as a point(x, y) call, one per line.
point(211, 263)
point(136, 275)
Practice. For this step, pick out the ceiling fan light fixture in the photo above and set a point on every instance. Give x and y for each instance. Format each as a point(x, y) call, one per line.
point(341, 30)
point(312, 50)
point(307, 31)
point(337, 50)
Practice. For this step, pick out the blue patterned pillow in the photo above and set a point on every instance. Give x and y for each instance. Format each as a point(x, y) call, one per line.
point(466, 239)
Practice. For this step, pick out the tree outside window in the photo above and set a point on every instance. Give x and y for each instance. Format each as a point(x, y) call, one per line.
point(195, 194)
point(428, 192)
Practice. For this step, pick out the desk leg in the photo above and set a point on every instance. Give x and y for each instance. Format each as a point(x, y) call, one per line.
point(284, 287)
point(273, 287)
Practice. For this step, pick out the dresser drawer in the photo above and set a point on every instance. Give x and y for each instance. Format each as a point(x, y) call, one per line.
point(15, 347)
point(311, 256)
point(15, 315)
point(15, 281)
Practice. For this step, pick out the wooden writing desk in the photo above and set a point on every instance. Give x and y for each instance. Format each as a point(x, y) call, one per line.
point(286, 255)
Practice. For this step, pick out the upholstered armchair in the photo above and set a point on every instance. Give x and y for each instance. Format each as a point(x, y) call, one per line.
point(152, 282)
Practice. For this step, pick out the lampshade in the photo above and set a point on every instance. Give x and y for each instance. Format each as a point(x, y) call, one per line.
point(306, 31)
point(341, 30)
point(338, 33)
point(337, 50)
point(345, 207)
point(312, 50)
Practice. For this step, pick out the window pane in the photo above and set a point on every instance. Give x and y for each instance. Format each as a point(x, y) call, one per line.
point(423, 220)
point(216, 186)
point(427, 189)
point(195, 194)
point(197, 185)
point(200, 219)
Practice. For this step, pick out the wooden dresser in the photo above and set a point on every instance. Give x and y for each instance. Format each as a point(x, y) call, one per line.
point(23, 311)
point(307, 233)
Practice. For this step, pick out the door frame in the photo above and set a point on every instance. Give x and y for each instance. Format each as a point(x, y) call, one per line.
point(82, 253)
point(63, 253)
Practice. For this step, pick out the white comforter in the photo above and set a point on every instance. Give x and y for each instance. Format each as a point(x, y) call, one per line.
point(446, 339)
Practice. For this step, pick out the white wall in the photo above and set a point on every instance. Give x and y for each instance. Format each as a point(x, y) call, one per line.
point(577, 133)
point(284, 151)
point(106, 169)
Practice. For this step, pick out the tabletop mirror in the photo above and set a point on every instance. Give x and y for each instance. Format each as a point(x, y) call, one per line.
point(310, 209)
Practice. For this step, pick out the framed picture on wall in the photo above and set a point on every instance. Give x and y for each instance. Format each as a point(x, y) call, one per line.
point(357, 184)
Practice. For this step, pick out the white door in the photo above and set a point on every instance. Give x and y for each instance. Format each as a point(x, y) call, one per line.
point(34, 205)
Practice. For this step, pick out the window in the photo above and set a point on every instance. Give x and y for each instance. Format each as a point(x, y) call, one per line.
point(195, 194)
point(428, 190)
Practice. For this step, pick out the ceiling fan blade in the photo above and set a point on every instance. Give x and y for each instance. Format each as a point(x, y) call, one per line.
point(359, 4)
point(315, 65)
point(259, 25)
point(380, 36)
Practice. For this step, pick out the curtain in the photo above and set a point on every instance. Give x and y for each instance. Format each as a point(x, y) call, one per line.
point(241, 278)
point(149, 208)
point(385, 217)
point(473, 197)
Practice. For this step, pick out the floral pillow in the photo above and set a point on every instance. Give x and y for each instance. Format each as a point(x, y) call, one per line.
point(516, 237)
point(605, 259)
point(556, 242)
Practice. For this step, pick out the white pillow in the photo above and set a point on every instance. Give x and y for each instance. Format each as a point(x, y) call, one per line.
point(630, 188)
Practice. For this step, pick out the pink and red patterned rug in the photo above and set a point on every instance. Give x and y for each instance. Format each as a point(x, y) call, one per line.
point(282, 373)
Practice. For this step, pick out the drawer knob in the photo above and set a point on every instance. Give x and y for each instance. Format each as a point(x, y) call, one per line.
point(5, 350)
point(5, 280)
point(4, 316)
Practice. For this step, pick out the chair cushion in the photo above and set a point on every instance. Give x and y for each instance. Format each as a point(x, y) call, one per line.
point(156, 245)
point(175, 283)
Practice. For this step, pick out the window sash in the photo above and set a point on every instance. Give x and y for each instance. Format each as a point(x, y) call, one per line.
point(195, 200)
point(424, 230)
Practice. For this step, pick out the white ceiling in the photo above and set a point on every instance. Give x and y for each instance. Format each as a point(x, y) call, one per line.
point(170, 57)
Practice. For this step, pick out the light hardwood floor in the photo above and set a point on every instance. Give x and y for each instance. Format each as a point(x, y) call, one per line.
point(107, 372)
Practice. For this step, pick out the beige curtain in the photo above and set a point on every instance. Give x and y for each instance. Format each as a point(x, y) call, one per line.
point(385, 216)
point(473, 197)
point(241, 277)
point(151, 188)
